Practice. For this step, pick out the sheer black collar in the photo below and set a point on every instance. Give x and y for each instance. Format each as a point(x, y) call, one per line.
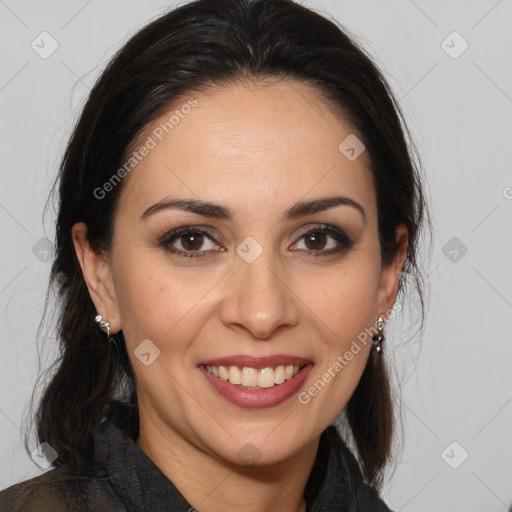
point(335, 482)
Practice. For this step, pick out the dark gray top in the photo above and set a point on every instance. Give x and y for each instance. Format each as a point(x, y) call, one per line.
point(127, 480)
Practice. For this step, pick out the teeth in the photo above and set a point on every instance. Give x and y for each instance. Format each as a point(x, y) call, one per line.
point(279, 375)
point(223, 373)
point(234, 375)
point(266, 378)
point(249, 377)
point(252, 378)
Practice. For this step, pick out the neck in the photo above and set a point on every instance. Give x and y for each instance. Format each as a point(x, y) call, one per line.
point(208, 483)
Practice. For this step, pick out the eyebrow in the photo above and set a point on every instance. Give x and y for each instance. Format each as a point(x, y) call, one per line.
point(216, 211)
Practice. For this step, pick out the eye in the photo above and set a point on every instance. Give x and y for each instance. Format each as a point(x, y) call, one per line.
point(192, 242)
point(189, 242)
point(324, 240)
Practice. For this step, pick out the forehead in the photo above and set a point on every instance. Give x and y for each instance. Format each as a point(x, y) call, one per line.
point(244, 145)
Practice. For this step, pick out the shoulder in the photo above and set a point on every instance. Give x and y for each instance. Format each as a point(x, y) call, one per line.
point(37, 494)
point(64, 489)
point(365, 496)
point(59, 491)
point(368, 499)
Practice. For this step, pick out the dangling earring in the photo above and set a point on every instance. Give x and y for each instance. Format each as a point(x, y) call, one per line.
point(104, 325)
point(121, 355)
point(379, 337)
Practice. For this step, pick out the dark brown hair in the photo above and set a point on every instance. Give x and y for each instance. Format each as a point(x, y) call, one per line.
point(190, 48)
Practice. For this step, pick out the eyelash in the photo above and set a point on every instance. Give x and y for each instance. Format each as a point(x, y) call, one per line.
point(339, 235)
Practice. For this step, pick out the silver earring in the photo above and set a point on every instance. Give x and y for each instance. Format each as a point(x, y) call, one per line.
point(379, 337)
point(104, 325)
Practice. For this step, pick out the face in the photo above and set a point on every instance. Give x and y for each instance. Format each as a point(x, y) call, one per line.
point(255, 283)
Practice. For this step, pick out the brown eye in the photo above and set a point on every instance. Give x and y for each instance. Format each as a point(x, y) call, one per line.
point(323, 241)
point(315, 240)
point(192, 241)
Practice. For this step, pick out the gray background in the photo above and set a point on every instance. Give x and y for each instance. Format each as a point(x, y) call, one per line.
point(456, 383)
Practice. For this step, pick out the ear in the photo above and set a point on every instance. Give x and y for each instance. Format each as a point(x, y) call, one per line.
point(97, 275)
point(390, 274)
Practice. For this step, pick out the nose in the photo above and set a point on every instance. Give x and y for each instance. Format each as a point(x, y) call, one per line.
point(259, 299)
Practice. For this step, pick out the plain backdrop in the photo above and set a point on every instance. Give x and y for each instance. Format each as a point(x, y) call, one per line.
point(450, 65)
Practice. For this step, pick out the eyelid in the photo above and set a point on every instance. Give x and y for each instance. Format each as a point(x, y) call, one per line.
point(174, 232)
point(335, 232)
point(344, 241)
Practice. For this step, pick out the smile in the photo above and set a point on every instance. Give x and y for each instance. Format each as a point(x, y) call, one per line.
point(252, 378)
point(256, 383)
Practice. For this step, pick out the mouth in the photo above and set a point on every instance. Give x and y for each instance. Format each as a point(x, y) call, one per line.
point(251, 382)
point(253, 378)
point(256, 382)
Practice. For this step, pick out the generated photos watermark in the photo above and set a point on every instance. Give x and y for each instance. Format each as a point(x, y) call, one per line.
point(156, 135)
point(343, 360)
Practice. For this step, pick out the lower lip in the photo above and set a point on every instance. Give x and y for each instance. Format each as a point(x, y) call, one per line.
point(257, 398)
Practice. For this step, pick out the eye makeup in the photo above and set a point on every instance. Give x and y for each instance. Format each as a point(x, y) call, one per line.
point(190, 236)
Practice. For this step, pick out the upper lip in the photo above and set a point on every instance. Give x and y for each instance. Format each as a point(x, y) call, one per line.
point(257, 363)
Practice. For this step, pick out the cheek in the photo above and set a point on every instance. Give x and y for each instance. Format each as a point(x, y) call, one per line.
point(158, 301)
point(345, 303)
point(348, 312)
point(345, 298)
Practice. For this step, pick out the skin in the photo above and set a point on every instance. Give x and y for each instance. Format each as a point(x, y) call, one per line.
point(257, 150)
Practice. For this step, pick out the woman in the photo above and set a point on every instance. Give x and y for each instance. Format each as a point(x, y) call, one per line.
point(238, 212)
